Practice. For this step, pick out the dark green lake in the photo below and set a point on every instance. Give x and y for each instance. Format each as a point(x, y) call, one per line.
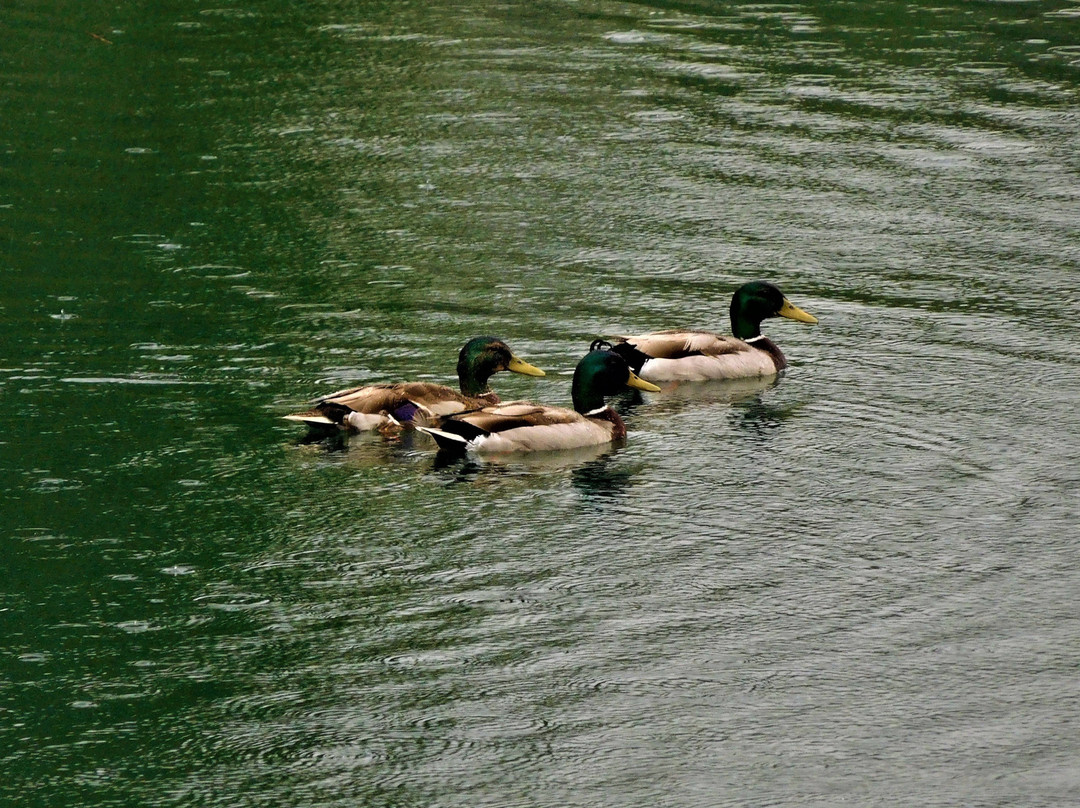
point(855, 586)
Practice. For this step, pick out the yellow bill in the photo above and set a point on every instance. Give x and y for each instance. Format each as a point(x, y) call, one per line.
point(641, 384)
point(517, 366)
point(793, 312)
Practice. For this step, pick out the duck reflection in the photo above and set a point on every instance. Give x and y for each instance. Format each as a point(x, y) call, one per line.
point(359, 450)
point(744, 401)
point(334, 439)
point(762, 419)
point(562, 460)
point(592, 470)
point(330, 440)
point(456, 468)
point(603, 478)
point(678, 395)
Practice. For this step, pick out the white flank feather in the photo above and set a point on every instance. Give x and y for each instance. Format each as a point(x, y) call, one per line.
point(363, 421)
point(309, 419)
point(702, 368)
point(550, 437)
point(442, 434)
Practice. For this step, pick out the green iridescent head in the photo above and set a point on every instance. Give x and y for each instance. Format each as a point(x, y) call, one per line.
point(600, 374)
point(482, 357)
point(757, 301)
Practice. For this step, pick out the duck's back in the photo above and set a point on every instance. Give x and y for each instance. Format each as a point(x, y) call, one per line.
point(373, 406)
point(698, 356)
point(521, 426)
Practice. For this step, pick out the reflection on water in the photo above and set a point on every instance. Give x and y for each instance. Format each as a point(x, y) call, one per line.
point(604, 478)
point(677, 396)
point(333, 440)
point(529, 462)
point(761, 417)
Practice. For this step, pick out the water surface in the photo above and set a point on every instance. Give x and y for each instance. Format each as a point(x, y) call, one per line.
point(854, 585)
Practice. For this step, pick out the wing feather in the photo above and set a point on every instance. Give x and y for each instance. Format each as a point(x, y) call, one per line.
point(375, 398)
point(665, 356)
point(680, 344)
point(377, 406)
point(516, 415)
point(547, 437)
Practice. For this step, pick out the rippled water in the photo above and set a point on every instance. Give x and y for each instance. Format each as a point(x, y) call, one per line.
point(856, 585)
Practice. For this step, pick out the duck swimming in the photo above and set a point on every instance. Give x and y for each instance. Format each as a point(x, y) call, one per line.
point(521, 426)
point(388, 406)
point(681, 355)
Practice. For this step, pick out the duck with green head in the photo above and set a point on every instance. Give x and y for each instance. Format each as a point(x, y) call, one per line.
point(682, 355)
point(521, 426)
point(389, 406)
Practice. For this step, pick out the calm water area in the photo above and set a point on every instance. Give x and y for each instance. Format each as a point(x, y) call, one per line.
point(856, 585)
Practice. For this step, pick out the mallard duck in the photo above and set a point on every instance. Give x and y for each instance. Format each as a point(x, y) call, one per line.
point(383, 406)
point(521, 426)
point(701, 355)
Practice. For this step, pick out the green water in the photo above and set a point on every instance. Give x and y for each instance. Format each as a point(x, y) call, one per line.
point(855, 586)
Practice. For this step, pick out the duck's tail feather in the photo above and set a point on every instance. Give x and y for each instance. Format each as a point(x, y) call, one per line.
point(413, 413)
point(326, 414)
point(447, 441)
point(634, 357)
point(313, 418)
